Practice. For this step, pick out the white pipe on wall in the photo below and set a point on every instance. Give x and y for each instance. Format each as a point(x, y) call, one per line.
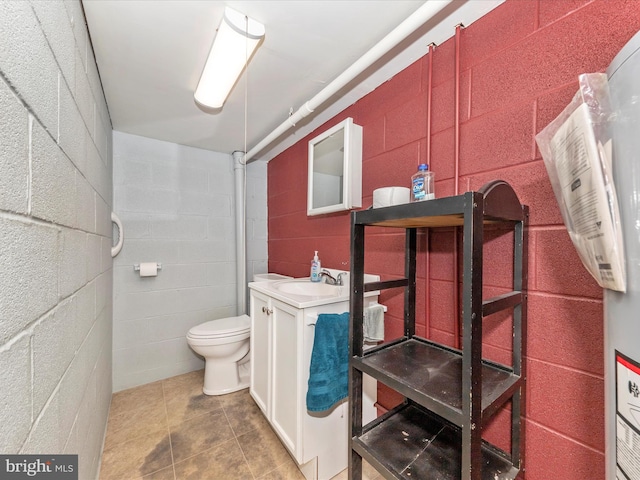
point(402, 31)
point(241, 241)
point(427, 11)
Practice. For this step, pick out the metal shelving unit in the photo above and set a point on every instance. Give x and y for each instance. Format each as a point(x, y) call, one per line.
point(449, 394)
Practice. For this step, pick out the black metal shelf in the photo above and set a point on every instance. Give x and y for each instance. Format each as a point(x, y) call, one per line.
point(410, 443)
point(500, 205)
point(431, 375)
point(449, 394)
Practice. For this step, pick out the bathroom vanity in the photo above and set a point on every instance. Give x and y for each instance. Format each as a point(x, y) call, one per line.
point(283, 315)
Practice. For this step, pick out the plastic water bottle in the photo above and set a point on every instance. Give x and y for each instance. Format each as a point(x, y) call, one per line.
point(422, 187)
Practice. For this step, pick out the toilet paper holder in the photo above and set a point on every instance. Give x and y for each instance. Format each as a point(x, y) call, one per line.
point(136, 267)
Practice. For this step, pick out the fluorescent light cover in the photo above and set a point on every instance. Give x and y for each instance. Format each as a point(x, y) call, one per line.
point(235, 42)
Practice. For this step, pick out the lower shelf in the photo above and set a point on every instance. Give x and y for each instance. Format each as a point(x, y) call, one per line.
point(412, 444)
point(431, 375)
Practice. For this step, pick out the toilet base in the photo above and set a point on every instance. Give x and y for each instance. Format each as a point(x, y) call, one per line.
point(220, 379)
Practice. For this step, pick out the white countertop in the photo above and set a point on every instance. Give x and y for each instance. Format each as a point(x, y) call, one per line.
point(271, 289)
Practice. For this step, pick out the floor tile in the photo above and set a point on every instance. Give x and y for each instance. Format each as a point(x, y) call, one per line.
point(368, 473)
point(164, 474)
point(184, 398)
point(242, 412)
point(136, 458)
point(220, 462)
point(170, 430)
point(136, 423)
point(263, 450)
point(144, 396)
point(198, 434)
point(288, 471)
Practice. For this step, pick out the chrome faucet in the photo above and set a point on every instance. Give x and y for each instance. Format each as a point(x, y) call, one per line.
point(330, 279)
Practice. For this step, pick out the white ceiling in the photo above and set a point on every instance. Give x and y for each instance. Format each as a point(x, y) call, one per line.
point(150, 54)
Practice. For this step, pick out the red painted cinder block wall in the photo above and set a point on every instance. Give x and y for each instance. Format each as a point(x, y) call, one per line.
point(519, 68)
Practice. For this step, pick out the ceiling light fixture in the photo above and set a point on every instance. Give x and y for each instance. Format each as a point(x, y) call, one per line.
point(237, 38)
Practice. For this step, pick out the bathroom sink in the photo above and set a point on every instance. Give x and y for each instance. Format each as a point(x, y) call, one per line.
point(308, 288)
point(302, 293)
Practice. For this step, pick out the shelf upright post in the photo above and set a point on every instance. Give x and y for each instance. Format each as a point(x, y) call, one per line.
point(356, 338)
point(472, 337)
point(520, 281)
point(410, 290)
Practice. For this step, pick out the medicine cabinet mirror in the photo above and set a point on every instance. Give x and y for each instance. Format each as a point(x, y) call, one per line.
point(335, 169)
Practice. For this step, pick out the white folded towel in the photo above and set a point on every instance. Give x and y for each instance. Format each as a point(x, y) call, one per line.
point(374, 323)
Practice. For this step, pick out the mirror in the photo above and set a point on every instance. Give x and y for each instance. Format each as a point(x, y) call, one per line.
point(335, 169)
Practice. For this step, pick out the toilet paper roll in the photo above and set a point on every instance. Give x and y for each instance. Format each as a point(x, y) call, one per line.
point(149, 269)
point(387, 196)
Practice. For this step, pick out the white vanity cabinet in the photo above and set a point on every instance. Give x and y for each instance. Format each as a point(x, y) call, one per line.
point(281, 345)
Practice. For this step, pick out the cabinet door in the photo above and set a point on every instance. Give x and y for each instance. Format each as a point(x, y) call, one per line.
point(286, 354)
point(260, 352)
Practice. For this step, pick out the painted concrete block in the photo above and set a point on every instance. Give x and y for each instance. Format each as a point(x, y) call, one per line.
point(45, 434)
point(85, 313)
point(206, 251)
point(258, 247)
point(70, 138)
point(14, 160)
point(85, 204)
point(577, 461)
point(257, 230)
point(132, 332)
point(221, 184)
point(104, 291)
point(78, 25)
point(54, 21)
point(53, 185)
point(94, 257)
point(138, 250)
point(148, 200)
point(97, 174)
point(52, 351)
point(84, 97)
point(549, 410)
point(183, 227)
point(131, 171)
point(221, 228)
point(136, 225)
point(15, 409)
point(106, 261)
point(100, 135)
point(37, 79)
point(103, 217)
point(204, 203)
point(29, 280)
point(73, 261)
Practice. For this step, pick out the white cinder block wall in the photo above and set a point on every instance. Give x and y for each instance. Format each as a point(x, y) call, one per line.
point(55, 235)
point(176, 204)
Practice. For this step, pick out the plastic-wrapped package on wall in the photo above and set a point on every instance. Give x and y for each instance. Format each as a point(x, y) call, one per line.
point(576, 149)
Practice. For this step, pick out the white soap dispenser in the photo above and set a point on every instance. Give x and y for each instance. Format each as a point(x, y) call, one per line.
point(315, 268)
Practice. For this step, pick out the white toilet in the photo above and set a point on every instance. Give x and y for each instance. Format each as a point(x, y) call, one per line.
point(224, 344)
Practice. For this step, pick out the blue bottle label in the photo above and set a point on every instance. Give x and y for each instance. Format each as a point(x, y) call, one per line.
point(418, 188)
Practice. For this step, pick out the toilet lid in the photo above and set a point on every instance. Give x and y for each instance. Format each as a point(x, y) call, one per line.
point(222, 326)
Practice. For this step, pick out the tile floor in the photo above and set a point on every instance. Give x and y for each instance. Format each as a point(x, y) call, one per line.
point(170, 430)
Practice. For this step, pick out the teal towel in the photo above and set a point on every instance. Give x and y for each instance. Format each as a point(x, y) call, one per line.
point(328, 373)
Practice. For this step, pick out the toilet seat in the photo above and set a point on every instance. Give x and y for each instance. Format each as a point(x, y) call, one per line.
point(222, 327)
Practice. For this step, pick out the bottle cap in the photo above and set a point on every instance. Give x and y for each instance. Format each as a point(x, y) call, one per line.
point(423, 167)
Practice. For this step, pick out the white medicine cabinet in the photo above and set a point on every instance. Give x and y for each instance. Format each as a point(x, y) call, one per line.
point(335, 169)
